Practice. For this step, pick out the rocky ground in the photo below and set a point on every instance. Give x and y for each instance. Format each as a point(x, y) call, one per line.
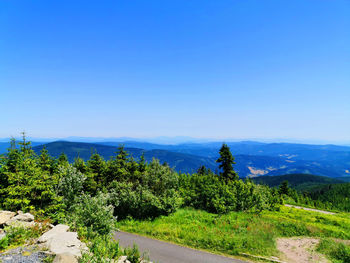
point(300, 250)
point(23, 255)
point(58, 242)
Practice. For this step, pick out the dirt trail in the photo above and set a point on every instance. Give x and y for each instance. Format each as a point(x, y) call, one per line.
point(300, 250)
point(311, 209)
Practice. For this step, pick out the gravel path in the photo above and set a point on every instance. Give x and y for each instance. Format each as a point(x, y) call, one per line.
point(311, 209)
point(22, 255)
point(164, 252)
point(300, 250)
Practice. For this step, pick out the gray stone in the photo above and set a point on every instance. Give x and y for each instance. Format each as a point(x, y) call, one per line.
point(6, 216)
point(65, 258)
point(54, 231)
point(66, 242)
point(27, 217)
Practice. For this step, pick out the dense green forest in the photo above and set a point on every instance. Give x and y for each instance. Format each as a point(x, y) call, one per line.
point(300, 182)
point(310, 190)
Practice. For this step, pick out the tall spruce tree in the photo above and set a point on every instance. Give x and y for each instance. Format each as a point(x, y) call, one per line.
point(226, 161)
point(46, 162)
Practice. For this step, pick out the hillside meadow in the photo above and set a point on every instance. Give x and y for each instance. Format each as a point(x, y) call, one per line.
point(240, 232)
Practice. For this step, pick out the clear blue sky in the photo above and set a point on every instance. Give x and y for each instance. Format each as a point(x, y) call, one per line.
point(219, 69)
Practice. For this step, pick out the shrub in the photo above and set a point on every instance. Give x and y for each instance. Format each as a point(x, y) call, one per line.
point(132, 253)
point(335, 250)
point(152, 194)
point(102, 249)
point(207, 192)
point(94, 214)
point(71, 184)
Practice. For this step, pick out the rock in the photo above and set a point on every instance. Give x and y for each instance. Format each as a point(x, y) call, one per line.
point(23, 224)
point(27, 254)
point(54, 231)
point(65, 258)
point(66, 242)
point(27, 217)
point(122, 259)
point(6, 216)
point(21, 220)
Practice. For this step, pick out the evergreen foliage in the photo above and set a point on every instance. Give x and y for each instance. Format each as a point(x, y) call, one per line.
point(226, 161)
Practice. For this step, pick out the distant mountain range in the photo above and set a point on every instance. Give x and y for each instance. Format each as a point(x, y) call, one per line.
point(252, 158)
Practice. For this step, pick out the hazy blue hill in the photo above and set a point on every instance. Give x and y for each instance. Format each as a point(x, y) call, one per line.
point(325, 160)
point(141, 145)
point(83, 150)
point(188, 157)
point(179, 161)
point(297, 181)
point(5, 145)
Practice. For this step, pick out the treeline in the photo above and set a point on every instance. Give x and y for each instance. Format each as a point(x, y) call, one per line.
point(53, 186)
point(324, 196)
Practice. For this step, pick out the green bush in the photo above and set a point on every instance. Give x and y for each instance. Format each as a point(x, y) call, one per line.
point(152, 194)
point(337, 251)
point(210, 193)
point(4, 243)
point(71, 184)
point(207, 192)
point(102, 249)
point(132, 253)
point(94, 214)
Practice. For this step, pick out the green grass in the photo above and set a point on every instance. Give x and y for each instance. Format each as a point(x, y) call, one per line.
point(238, 232)
point(17, 236)
point(336, 251)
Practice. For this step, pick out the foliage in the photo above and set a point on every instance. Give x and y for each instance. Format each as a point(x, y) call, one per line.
point(16, 236)
point(238, 232)
point(226, 161)
point(300, 182)
point(93, 214)
point(146, 195)
point(335, 250)
point(70, 186)
point(28, 181)
point(132, 253)
point(209, 193)
point(102, 249)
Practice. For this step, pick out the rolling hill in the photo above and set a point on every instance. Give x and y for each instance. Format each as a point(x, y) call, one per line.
point(184, 161)
point(325, 160)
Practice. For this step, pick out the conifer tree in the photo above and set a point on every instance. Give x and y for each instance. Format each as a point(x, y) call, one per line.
point(80, 165)
point(117, 167)
point(46, 162)
point(97, 166)
point(226, 161)
point(62, 159)
point(142, 163)
point(284, 188)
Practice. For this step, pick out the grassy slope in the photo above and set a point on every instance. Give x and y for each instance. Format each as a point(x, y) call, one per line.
point(240, 232)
